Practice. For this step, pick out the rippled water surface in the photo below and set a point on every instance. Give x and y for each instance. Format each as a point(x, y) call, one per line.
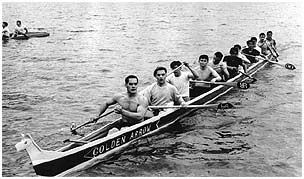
point(48, 83)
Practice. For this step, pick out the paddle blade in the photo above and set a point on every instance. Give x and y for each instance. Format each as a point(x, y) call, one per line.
point(243, 85)
point(225, 106)
point(290, 66)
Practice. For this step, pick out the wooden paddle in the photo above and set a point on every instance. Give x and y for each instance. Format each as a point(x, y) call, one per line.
point(288, 66)
point(175, 70)
point(219, 106)
point(74, 128)
point(241, 85)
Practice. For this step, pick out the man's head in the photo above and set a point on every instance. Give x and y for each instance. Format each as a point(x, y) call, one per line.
point(254, 40)
point(174, 65)
point(233, 51)
point(217, 57)
point(131, 82)
point(269, 34)
point(4, 24)
point(262, 36)
point(18, 22)
point(250, 44)
point(203, 60)
point(160, 73)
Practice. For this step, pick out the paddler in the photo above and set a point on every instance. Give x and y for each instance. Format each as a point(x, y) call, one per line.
point(262, 44)
point(161, 92)
point(218, 65)
point(205, 73)
point(180, 79)
point(250, 51)
point(20, 29)
point(234, 63)
point(5, 31)
point(131, 105)
point(271, 42)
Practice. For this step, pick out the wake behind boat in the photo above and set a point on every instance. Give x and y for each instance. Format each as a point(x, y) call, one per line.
point(98, 146)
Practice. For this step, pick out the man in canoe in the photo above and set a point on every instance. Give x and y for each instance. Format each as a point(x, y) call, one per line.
point(234, 63)
point(218, 65)
point(270, 40)
point(262, 44)
point(205, 73)
point(250, 52)
point(20, 29)
point(131, 105)
point(180, 79)
point(5, 31)
point(161, 92)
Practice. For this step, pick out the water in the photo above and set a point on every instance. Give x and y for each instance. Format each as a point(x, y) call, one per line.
point(48, 83)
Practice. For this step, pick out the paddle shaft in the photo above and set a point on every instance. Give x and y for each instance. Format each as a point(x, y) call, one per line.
point(88, 122)
point(248, 76)
point(174, 70)
point(189, 106)
point(216, 83)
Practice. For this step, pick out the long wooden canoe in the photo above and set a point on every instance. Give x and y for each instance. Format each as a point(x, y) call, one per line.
point(98, 146)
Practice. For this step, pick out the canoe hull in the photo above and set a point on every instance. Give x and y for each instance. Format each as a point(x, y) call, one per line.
point(31, 35)
point(104, 147)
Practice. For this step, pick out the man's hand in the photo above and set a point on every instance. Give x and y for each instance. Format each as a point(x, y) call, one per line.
point(93, 119)
point(213, 80)
point(186, 64)
point(184, 104)
point(118, 109)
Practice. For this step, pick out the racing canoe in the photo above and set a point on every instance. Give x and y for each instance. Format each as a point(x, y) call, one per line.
point(98, 146)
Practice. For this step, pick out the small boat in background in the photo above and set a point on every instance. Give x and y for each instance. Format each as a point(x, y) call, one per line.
point(31, 35)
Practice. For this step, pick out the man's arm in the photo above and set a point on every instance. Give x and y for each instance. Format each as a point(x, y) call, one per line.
point(216, 76)
point(104, 105)
point(139, 114)
point(194, 75)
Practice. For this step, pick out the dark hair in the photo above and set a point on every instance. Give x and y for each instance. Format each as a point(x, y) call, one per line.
point(253, 38)
point(5, 23)
point(262, 34)
point(175, 63)
point(249, 41)
point(158, 69)
point(233, 51)
point(203, 57)
point(269, 32)
point(237, 46)
point(130, 76)
point(19, 21)
point(219, 55)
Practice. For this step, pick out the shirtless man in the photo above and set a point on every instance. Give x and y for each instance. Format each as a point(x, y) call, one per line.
point(262, 44)
point(205, 73)
point(218, 65)
point(131, 105)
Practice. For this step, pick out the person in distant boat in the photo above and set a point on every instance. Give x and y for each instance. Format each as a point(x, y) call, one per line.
point(249, 52)
point(205, 73)
point(234, 63)
point(5, 31)
point(180, 79)
point(240, 55)
point(220, 67)
point(271, 42)
point(262, 44)
point(161, 92)
point(131, 105)
point(20, 29)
